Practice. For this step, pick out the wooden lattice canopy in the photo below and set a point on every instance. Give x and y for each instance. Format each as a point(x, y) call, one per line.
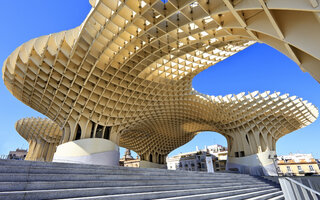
point(128, 69)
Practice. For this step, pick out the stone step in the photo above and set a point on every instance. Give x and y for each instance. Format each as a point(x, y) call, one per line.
point(196, 194)
point(43, 163)
point(53, 165)
point(86, 177)
point(48, 170)
point(231, 195)
point(25, 163)
point(280, 197)
point(255, 194)
point(85, 192)
point(43, 180)
point(274, 196)
point(39, 185)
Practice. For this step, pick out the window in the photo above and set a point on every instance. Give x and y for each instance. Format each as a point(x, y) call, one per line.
point(289, 169)
point(311, 168)
point(278, 169)
point(299, 168)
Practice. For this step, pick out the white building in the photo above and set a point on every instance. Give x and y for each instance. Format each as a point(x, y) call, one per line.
point(216, 148)
point(173, 162)
point(196, 160)
point(297, 165)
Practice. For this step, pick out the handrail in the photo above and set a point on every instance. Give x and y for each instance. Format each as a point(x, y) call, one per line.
point(302, 185)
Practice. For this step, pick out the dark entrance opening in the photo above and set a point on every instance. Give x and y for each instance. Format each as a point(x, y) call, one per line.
point(78, 135)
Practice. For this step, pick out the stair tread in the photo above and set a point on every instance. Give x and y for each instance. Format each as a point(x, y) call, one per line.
point(4, 177)
point(42, 180)
point(199, 181)
point(266, 195)
point(166, 192)
point(226, 192)
point(116, 172)
point(278, 197)
point(100, 167)
point(102, 181)
point(241, 196)
point(125, 187)
point(92, 184)
point(82, 177)
point(77, 165)
point(63, 170)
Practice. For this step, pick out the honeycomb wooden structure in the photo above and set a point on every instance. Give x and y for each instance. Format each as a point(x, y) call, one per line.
point(43, 135)
point(125, 74)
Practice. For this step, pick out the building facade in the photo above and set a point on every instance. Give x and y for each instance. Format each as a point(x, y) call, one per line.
point(128, 161)
point(18, 154)
point(297, 165)
point(132, 163)
point(173, 162)
point(220, 154)
point(196, 161)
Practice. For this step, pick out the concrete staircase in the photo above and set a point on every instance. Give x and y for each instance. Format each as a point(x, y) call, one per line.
point(42, 180)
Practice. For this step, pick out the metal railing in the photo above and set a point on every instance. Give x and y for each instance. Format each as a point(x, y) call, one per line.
point(294, 190)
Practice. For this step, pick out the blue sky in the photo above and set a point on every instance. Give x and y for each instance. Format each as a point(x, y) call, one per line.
point(259, 67)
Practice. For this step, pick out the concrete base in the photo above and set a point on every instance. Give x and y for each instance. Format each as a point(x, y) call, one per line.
point(147, 164)
point(95, 151)
point(257, 164)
